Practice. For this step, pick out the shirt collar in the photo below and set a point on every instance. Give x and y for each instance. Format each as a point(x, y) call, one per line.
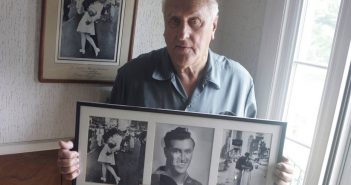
point(165, 71)
point(212, 70)
point(162, 171)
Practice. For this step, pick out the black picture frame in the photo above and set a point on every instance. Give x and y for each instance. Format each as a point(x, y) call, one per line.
point(219, 143)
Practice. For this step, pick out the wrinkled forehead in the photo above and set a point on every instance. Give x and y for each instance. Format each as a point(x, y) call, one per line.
point(186, 7)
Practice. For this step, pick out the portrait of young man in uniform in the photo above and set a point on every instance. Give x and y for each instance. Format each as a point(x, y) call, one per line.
point(178, 150)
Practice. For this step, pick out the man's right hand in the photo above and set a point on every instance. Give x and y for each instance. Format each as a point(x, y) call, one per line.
point(68, 161)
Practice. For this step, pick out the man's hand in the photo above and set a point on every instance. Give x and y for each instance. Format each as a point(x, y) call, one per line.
point(284, 172)
point(68, 161)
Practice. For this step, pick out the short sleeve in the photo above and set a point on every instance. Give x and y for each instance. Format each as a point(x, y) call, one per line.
point(250, 105)
point(118, 92)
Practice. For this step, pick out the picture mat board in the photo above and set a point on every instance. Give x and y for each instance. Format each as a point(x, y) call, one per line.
point(157, 116)
point(50, 70)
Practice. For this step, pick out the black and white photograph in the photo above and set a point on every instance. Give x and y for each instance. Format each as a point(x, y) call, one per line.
point(167, 147)
point(182, 155)
point(85, 41)
point(89, 30)
point(244, 158)
point(115, 151)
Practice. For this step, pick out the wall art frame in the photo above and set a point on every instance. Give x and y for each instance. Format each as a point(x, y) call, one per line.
point(85, 41)
point(220, 142)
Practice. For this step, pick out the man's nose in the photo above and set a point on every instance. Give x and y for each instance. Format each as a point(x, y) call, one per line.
point(184, 31)
point(183, 157)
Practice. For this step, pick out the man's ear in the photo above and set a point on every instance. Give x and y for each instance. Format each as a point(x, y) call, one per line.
point(214, 26)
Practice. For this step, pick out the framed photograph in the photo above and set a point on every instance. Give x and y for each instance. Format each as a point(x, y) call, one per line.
point(85, 40)
point(127, 145)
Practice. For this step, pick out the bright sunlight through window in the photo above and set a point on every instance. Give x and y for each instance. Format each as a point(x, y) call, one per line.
point(311, 57)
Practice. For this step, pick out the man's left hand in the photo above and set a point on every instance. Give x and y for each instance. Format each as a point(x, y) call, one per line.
point(284, 172)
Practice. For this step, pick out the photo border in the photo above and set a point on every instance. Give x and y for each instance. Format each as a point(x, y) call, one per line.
point(159, 116)
point(51, 71)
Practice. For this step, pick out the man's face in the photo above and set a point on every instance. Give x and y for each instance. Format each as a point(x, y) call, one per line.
point(179, 155)
point(189, 29)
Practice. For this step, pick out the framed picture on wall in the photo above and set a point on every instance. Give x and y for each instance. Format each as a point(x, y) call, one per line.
point(133, 145)
point(85, 40)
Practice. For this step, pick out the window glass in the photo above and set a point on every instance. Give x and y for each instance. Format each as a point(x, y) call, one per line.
point(318, 27)
point(303, 102)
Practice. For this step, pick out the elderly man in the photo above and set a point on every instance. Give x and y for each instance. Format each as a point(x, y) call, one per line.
point(178, 150)
point(186, 75)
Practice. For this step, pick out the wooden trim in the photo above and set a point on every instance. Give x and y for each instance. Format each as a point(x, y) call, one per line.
point(30, 168)
point(131, 45)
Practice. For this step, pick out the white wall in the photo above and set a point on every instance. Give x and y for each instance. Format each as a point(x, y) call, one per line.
point(239, 32)
point(149, 27)
point(30, 110)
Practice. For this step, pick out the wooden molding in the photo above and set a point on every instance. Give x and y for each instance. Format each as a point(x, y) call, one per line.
point(35, 168)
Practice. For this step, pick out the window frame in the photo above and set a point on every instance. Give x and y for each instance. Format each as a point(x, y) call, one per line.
point(272, 76)
point(337, 171)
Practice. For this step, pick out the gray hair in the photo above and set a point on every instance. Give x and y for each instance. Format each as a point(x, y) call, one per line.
point(212, 5)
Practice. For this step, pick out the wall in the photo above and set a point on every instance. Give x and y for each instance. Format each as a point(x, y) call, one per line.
point(30, 110)
point(239, 31)
point(33, 111)
point(149, 27)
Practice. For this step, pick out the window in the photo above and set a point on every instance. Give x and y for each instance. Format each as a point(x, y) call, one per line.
point(304, 46)
point(307, 76)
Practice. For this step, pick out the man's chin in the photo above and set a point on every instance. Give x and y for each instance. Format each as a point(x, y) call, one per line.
point(183, 60)
point(181, 170)
point(182, 53)
point(182, 56)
